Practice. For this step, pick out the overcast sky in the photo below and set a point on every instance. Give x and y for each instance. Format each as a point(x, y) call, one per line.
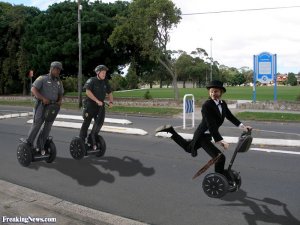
point(236, 36)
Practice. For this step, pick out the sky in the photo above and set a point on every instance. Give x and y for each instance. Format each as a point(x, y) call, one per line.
point(232, 38)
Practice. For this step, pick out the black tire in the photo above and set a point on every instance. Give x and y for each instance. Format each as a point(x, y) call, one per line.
point(77, 148)
point(101, 145)
point(215, 185)
point(51, 149)
point(24, 154)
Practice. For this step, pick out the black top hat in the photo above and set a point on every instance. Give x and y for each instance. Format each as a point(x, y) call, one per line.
point(216, 84)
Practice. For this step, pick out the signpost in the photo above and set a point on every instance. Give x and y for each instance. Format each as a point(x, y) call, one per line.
point(264, 71)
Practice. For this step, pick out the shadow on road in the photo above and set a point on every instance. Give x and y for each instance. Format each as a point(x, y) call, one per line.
point(126, 167)
point(86, 173)
point(261, 209)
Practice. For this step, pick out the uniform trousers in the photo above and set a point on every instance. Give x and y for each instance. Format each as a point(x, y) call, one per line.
point(98, 114)
point(38, 121)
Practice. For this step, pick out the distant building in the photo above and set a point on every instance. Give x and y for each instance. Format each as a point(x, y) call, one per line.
point(281, 79)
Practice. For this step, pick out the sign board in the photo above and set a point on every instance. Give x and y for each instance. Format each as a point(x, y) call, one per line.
point(265, 73)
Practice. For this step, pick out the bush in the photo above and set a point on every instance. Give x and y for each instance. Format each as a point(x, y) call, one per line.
point(147, 95)
point(70, 84)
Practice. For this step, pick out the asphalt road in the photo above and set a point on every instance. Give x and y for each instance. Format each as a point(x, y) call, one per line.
point(148, 179)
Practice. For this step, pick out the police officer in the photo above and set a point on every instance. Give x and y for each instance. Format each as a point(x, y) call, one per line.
point(96, 89)
point(46, 89)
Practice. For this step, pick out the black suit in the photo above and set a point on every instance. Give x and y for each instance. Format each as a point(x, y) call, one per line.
point(212, 119)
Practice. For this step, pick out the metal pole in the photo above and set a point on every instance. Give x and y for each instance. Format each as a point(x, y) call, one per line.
point(80, 57)
point(211, 58)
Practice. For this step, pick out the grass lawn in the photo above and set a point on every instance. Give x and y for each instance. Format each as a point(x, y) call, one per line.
point(267, 116)
point(263, 93)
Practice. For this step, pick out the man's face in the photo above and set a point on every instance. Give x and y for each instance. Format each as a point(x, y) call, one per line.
point(101, 74)
point(55, 72)
point(215, 93)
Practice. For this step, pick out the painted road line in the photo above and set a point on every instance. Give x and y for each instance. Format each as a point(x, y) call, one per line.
point(275, 151)
point(14, 115)
point(256, 141)
point(106, 120)
point(112, 129)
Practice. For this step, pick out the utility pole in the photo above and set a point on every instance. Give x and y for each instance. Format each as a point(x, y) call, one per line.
point(211, 58)
point(80, 57)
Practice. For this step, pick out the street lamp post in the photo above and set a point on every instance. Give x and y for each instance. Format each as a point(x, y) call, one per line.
point(80, 57)
point(211, 58)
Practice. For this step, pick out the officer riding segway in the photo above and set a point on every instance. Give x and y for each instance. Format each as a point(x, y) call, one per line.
point(48, 91)
point(93, 108)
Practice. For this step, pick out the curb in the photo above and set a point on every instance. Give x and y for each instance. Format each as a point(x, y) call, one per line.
point(59, 207)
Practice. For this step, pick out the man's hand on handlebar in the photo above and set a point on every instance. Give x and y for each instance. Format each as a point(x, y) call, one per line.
point(224, 144)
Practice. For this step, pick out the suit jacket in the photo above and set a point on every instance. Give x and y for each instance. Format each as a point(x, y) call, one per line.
point(212, 119)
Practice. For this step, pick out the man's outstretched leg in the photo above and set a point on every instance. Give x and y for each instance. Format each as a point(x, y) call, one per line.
point(176, 137)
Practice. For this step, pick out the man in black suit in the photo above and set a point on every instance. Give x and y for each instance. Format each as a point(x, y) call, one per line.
point(214, 111)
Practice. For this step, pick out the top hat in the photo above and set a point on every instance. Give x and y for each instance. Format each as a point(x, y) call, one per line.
point(216, 84)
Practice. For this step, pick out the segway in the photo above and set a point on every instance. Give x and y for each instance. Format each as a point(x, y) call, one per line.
point(216, 185)
point(79, 149)
point(27, 153)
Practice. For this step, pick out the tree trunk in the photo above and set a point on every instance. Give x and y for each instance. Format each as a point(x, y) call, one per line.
point(173, 73)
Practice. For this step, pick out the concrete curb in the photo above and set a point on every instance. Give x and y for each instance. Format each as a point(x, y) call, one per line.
point(34, 201)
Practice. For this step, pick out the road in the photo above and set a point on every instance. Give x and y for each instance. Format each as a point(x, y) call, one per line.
point(148, 178)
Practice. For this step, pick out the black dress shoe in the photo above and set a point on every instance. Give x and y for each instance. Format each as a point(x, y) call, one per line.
point(165, 128)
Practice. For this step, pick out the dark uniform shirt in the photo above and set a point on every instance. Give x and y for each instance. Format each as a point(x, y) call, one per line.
point(99, 88)
point(48, 86)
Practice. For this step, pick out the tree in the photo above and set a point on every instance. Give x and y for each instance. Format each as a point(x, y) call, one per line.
point(146, 30)
point(292, 80)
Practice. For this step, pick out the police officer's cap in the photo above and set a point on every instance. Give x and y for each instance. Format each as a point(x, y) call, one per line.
point(56, 64)
point(100, 68)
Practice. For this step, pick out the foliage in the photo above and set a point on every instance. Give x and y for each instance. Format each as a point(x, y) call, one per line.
point(147, 95)
point(145, 31)
point(292, 80)
point(70, 84)
point(118, 82)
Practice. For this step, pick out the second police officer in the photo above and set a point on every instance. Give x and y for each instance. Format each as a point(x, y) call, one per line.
point(93, 107)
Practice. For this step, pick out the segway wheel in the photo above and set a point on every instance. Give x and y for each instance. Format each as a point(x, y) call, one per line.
point(215, 185)
point(24, 154)
point(51, 149)
point(101, 145)
point(77, 148)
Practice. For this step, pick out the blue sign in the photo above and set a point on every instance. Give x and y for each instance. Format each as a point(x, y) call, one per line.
point(189, 106)
point(264, 68)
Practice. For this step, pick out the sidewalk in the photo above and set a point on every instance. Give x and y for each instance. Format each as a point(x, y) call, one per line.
point(25, 206)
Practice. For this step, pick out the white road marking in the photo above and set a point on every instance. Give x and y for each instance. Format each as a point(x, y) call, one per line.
point(275, 151)
point(106, 120)
point(256, 141)
point(112, 129)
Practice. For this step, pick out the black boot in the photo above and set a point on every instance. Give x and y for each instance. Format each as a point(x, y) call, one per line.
point(165, 128)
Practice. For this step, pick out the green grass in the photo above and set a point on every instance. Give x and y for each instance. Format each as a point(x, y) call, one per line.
point(267, 116)
point(284, 93)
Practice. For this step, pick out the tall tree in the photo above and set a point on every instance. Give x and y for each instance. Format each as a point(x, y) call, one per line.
point(146, 29)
